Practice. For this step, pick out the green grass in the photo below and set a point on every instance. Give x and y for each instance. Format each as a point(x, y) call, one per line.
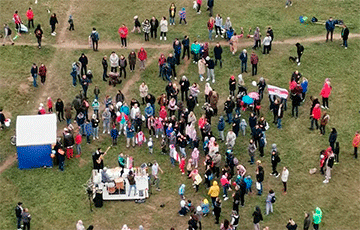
point(57, 200)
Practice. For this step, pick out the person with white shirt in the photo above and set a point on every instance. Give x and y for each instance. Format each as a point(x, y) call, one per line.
point(267, 43)
point(114, 62)
point(284, 178)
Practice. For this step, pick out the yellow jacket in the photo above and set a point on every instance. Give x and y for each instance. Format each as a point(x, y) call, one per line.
point(214, 190)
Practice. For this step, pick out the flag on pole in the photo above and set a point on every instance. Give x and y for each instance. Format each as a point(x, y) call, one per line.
point(280, 92)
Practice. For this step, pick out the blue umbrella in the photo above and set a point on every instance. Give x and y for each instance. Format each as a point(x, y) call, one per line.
point(247, 100)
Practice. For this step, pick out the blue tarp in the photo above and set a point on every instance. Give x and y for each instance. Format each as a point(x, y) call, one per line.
point(35, 156)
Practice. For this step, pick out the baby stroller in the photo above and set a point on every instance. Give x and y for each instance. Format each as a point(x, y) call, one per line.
point(114, 79)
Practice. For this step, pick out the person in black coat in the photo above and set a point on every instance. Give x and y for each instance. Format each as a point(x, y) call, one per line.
point(210, 5)
point(242, 192)
point(59, 107)
point(84, 61)
point(232, 85)
point(191, 103)
point(217, 210)
point(345, 35)
point(53, 22)
point(229, 106)
point(257, 216)
point(105, 68)
point(252, 120)
point(184, 87)
point(271, 33)
point(332, 138)
point(217, 52)
point(275, 159)
point(154, 24)
point(171, 60)
point(300, 51)
point(170, 91)
point(186, 45)
point(95, 157)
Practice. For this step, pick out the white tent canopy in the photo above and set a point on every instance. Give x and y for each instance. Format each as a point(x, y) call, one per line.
point(36, 130)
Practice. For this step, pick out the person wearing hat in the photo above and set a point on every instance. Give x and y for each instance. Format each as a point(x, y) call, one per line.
point(18, 212)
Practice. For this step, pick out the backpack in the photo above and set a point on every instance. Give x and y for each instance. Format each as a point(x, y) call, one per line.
point(95, 36)
point(314, 19)
point(273, 199)
point(9, 31)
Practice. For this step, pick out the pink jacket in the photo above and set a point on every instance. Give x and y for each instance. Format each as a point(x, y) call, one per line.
point(326, 90)
point(224, 181)
point(195, 154)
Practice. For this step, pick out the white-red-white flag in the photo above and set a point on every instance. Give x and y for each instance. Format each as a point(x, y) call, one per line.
point(280, 92)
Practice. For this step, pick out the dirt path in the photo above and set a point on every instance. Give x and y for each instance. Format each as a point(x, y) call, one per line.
point(7, 163)
point(244, 42)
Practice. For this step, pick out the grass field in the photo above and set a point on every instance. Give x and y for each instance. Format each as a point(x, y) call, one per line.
point(57, 200)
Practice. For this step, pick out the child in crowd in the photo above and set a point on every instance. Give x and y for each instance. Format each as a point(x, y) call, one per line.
point(182, 165)
point(150, 145)
point(195, 157)
point(182, 191)
point(114, 135)
point(50, 104)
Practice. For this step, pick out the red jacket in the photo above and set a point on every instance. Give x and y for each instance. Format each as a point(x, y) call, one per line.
point(326, 90)
point(162, 60)
point(17, 19)
point(142, 55)
point(356, 140)
point(316, 113)
point(42, 71)
point(30, 14)
point(123, 31)
point(78, 139)
point(163, 113)
point(49, 104)
point(254, 59)
point(199, 2)
point(210, 25)
point(201, 122)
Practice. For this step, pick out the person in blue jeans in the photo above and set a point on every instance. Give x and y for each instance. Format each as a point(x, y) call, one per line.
point(345, 35)
point(280, 114)
point(18, 212)
point(74, 73)
point(243, 57)
point(88, 131)
point(34, 73)
point(132, 183)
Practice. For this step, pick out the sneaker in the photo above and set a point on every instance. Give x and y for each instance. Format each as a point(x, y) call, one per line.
point(157, 136)
point(226, 198)
point(108, 132)
point(201, 79)
point(325, 181)
point(199, 12)
point(326, 107)
point(97, 138)
point(222, 36)
point(216, 36)
point(277, 175)
point(207, 79)
point(299, 63)
point(193, 61)
point(103, 131)
point(93, 138)
point(346, 48)
point(322, 107)
point(164, 38)
point(197, 104)
point(213, 81)
point(160, 38)
point(158, 189)
point(286, 6)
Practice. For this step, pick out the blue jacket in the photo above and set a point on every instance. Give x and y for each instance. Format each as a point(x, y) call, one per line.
point(88, 129)
point(243, 57)
point(73, 72)
point(230, 33)
point(248, 182)
point(185, 42)
point(330, 25)
point(149, 111)
point(114, 133)
point(304, 86)
point(80, 120)
point(221, 124)
point(177, 49)
point(210, 3)
point(182, 189)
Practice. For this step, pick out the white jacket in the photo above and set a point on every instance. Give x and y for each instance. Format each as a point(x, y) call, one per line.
point(163, 26)
point(114, 60)
point(285, 175)
point(267, 41)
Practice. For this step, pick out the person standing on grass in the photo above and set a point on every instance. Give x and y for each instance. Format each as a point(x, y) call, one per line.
point(291, 225)
point(307, 221)
point(177, 51)
point(59, 107)
point(330, 26)
point(218, 24)
point(259, 177)
point(210, 26)
point(329, 164)
point(315, 116)
point(184, 88)
point(163, 28)
point(84, 61)
point(104, 64)
point(122, 65)
point(34, 73)
point(284, 178)
point(270, 199)
point(30, 18)
point(317, 216)
point(53, 22)
point(132, 60)
point(210, 5)
point(42, 73)
point(114, 62)
point(142, 56)
point(332, 138)
point(38, 34)
point(154, 24)
point(324, 120)
point(155, 168)
point(18, 212)
point(137, 25)
point(171, 60)
point(123, 32)
point(257, 41)
point(345, 35)
point(288, 3)
point(257, 218)
point(325, 93)
point(267, 44)
point(172, 13)
point(210, 69)
point(254, 59)
point(195, 50)
point(95, 39)
point(300, 51)
point(217, 209)
point(18, 22)
point(356, 143)
point(71, 23)
point(85, 84)
point(217, 52)
point(78, 140)
point(182, 15)
point(146, 29)
point(243, 57)
point(186, 46)
point(271, 33)
point(7, 34)
point(275, 159)
point(26, 218)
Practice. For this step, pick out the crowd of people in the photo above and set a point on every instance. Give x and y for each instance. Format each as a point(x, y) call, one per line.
point(190, 140)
